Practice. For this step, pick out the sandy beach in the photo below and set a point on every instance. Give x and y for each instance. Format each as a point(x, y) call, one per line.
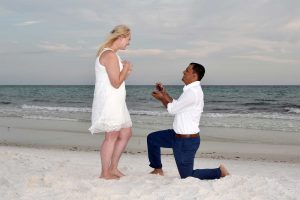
point(43, 159)
point(32, 173)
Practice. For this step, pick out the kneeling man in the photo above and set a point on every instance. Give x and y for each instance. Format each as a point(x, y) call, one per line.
point(184, 138)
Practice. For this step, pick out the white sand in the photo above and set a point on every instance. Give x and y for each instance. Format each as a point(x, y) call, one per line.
point(31, 173)
point(263, 164)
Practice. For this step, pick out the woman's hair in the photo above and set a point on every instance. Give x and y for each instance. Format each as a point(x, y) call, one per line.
point(118, 31)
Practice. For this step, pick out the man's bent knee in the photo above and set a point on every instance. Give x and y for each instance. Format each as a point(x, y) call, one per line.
point(150, 137)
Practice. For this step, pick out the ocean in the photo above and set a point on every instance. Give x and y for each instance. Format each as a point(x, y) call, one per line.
point(274, 108)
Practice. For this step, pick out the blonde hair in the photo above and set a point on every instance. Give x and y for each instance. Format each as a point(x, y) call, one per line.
point(118, 31)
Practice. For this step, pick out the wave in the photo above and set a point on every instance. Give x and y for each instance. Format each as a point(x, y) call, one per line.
point(41, 100)
point(272, 100)
point(5, 102)
point(255, 108)
point(220, 109)
point(263, 115)
point(48, 118)
point(89, 110)
point(59, 101)
point(290, 106)
point(253, 116)
point(256, 104)
point(293, 110)
point(288, 115)
point(223, 101)
point(63, 109)
point(70, 102)
point(149, 113)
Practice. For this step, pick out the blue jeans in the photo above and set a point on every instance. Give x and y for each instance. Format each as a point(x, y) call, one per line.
point(184, 150)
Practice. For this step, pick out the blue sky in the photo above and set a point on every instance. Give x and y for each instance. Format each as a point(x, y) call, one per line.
point(238, 41)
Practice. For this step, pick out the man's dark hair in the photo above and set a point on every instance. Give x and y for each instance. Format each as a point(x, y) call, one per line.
point(199, 70)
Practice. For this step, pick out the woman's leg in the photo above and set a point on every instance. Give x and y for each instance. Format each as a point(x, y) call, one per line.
point(124, 136)
point(106, 152)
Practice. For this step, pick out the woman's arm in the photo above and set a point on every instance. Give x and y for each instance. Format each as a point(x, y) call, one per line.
point(116, 77)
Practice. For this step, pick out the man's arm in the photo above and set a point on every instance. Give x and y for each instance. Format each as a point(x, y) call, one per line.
point(183, 102)
point(174, 106)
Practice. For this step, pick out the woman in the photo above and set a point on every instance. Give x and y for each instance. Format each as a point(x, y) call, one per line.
point(110, 113)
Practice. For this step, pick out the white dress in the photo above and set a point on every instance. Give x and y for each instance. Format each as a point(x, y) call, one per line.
point(109, 112)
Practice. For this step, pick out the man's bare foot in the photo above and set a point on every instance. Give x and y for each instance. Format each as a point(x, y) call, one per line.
point(224, 171)
point(117, 172)
point(158, 171)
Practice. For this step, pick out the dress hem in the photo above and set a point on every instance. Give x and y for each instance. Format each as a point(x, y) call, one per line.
point(108, 128)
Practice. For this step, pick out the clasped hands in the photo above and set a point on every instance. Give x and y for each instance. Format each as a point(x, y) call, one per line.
point(127, 66)
point(160, 91)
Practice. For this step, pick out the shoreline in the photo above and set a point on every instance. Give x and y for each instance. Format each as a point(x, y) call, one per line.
point(216, 143)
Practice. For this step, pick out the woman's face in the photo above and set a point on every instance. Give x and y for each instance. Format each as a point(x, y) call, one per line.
point(125, 41)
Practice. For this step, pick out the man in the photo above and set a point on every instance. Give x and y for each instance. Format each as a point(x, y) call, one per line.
point(184, 138)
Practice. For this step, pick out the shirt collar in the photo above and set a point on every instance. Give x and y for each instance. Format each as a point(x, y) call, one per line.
point(191, 85)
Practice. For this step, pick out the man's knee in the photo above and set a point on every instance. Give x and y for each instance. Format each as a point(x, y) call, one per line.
point(150, 137)
point(184, 175)
point(185, 170)
point(153, 138)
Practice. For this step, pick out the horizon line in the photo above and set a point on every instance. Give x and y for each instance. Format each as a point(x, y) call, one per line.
point(151, 84)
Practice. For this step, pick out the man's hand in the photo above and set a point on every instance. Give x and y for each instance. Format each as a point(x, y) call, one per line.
point(157, 95)
point(161, 94)
point(159, 87)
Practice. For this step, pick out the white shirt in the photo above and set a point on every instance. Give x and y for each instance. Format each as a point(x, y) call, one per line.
point(187, 109)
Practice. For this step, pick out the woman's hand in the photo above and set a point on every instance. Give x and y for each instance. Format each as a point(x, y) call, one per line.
point(127, 66)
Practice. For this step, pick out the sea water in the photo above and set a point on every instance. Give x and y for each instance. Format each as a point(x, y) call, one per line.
point(250, 107)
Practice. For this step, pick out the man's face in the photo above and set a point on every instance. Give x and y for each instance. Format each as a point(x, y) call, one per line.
point(189, 75)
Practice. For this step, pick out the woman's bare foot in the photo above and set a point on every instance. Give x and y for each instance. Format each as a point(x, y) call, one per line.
point(158, 171)
point(224, 171)
point(117, 172)
point(109, 176)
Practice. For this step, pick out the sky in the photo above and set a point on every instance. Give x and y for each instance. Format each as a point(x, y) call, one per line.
point(240, 42)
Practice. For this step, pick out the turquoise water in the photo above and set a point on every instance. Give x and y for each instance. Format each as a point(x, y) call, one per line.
point(251, 107)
